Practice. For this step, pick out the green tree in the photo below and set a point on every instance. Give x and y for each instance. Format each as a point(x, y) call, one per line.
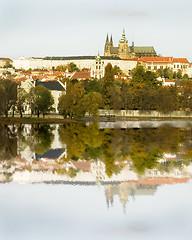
point(117, 70)
point(72, 67)
point(137, 75)
point(42, 100)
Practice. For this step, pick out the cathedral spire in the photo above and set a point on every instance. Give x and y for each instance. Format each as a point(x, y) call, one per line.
point(111, 41)
point(107, 39)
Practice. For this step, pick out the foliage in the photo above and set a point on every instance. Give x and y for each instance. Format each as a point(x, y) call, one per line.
point(117, 70)
point(8, 95)
point(140, 76)
point(21, 100)
point(71, 103)
point(72, 67)
point(92, 101)
point(41, 100)
point(108, 82)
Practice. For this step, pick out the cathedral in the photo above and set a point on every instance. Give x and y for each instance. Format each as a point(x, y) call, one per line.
point(124, 51)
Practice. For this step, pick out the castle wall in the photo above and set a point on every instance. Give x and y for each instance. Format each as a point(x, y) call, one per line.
point(24, 63)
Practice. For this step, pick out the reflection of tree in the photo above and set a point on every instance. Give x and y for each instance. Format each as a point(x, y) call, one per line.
point(144, 147)
point(8, 143)
point(41, 138)
point(78, 138)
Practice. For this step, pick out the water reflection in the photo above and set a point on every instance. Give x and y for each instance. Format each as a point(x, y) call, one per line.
point(130, 158)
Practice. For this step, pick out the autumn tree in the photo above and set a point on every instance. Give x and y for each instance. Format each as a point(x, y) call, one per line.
point(108, 81)
point(71, 103)
point(92, 101)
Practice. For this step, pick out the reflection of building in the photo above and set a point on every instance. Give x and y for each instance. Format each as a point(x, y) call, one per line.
point(127, 189)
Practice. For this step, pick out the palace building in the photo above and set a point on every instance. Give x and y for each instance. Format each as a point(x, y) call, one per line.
point(124, 51)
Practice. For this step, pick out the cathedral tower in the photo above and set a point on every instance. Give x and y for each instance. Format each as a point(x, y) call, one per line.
point(107, 47)
point(123, 47)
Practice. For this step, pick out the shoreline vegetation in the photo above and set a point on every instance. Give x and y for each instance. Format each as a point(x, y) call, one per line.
point(48, 119)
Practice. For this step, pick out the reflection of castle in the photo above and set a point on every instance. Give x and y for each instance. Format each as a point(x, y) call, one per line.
point(127, 189)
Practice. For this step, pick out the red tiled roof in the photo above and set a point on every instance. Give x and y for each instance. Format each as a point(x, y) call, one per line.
point(163, 60)
point(156, 59)
point(81, 75)
point(180, 60)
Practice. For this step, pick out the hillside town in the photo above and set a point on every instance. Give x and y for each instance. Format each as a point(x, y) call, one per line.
point(56, 73)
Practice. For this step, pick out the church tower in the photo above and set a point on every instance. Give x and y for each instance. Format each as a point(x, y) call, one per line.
point(107, 46)
point(123, 47)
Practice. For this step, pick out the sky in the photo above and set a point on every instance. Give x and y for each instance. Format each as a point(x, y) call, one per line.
point(39, 28)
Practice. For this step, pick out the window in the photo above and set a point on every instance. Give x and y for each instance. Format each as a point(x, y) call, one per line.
point(161, 67)
point(149, 67)
point(174, 66)
point(178, 66)
point(155, 67)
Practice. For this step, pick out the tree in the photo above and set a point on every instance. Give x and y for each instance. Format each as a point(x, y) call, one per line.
point(94, 85)
point(72, 67)
point(8, 95)
point(92, 101)
point(137, 75)
point(71, 103)
point(167, 99)
point(21, 100)
point(186, 97)
point(117, 70)
point(140, 76)
point(42, 100)
point(61, 68)
point(108, 81)
point(8, 64)
point(179, 74)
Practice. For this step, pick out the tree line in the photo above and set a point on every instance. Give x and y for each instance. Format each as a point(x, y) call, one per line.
point(16, 99)
point(142, 92)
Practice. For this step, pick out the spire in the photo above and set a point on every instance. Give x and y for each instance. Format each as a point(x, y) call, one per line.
point(107, 39)
point(123, 38)
point(98, 56)
point(111, 41)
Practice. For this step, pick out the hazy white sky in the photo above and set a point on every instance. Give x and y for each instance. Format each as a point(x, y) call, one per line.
point(42, 28)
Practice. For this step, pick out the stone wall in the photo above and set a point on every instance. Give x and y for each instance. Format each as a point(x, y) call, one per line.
point(139, 113)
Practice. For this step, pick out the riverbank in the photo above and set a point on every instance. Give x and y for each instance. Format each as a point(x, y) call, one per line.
point(29, 120)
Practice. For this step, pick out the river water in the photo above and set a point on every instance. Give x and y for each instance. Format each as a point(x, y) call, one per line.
point(114, 180)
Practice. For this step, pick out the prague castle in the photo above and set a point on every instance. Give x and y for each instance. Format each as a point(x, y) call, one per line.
point(124, 51)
